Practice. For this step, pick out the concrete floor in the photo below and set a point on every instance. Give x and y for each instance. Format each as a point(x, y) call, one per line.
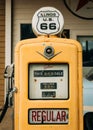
point(7, 122)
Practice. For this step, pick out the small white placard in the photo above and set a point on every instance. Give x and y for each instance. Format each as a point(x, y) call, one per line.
point(48, 116)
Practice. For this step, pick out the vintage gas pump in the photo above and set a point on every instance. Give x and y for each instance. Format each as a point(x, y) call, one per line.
point(48, 77)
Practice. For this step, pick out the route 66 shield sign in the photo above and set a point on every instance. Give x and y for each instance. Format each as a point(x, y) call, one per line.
point(47, 21)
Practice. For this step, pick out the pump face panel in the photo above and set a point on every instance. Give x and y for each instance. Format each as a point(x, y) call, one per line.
point(49, 87)
point(48, 81)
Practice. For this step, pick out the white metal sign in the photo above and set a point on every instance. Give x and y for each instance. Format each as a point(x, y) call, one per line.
point(47, 20)
point(48, 81)
point(48, 116)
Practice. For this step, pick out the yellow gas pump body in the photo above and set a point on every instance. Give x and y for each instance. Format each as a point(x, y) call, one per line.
point(31, 52)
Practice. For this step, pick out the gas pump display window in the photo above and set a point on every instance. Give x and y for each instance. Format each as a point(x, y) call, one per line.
point(48, 81)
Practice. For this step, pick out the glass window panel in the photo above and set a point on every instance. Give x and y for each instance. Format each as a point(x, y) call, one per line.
point(87, 44)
